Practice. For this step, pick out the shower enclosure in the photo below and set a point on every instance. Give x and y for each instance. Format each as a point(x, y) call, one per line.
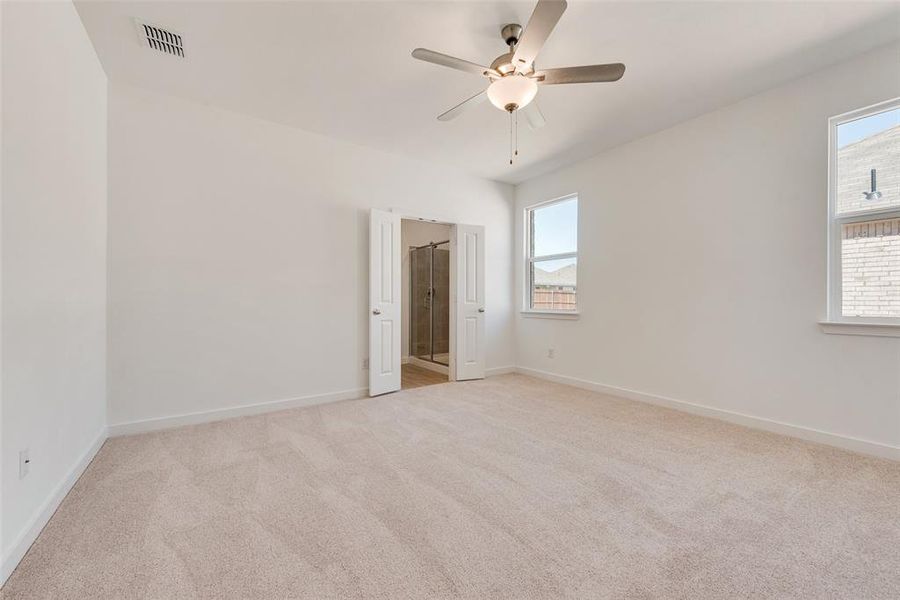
point(429, 286)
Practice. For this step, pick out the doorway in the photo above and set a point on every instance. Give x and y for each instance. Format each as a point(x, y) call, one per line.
point(426, 298)
point(390, 289)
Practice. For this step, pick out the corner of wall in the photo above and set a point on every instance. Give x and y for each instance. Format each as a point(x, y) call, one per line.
point(16, 552)
point(72, 100)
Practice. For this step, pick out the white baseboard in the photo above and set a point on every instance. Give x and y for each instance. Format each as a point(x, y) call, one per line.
point(805, 433)
point(160, 423)
point(33, 529)
point(220, 414)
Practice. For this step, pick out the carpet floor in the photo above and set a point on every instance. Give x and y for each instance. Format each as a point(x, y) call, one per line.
point(505, 488)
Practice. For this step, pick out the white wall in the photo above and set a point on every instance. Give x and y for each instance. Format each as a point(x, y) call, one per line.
point(53, 261)
point(238, 255)
point(415, 233)
point(702, 265)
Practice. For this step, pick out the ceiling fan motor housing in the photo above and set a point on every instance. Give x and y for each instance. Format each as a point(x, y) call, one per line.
point(503, 64)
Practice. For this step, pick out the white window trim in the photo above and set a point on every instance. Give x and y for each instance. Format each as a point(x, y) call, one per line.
point(835, 321)
point(527, 311)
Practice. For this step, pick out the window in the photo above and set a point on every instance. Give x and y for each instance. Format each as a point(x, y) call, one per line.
point(864, 228)
point(552, 256)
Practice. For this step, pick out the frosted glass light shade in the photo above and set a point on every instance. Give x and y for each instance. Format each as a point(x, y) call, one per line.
point(514, 91)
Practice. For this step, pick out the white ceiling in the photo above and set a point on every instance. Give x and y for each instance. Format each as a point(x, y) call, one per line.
point(344, 69)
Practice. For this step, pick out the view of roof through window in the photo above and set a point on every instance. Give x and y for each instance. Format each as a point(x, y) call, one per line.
point(865, 145)
point(554, 238)
point(868, 180)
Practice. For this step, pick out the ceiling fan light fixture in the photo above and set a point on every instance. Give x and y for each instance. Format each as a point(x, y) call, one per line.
point(512, 92)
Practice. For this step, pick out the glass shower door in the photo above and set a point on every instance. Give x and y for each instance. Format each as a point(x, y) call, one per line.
point(420, 303)
point(430, 303)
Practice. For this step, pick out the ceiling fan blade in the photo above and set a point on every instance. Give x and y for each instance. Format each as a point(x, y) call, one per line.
point(540, 25)
point(587, 74)
point(463, 106)
point(534, 115)
point(446, 60)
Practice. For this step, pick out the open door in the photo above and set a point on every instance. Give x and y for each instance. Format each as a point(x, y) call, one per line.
point(467, 346)
point(384, 302)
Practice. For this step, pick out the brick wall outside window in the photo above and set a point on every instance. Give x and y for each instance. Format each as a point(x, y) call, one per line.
point(870, 255)
point(870, 250)
point(854, 164)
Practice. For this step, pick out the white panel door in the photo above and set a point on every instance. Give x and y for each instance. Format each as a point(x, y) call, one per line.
point(467, 278)
point(384, 302)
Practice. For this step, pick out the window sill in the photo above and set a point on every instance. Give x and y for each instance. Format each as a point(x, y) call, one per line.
point(861, 328)
point(551, 314)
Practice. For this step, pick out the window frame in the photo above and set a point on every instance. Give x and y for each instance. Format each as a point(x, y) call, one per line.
point(530, 259)
point(834, 310)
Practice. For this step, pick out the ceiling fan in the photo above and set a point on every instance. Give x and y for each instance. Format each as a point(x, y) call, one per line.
point(513, 79)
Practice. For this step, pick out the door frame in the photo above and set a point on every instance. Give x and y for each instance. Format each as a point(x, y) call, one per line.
point(414, 215)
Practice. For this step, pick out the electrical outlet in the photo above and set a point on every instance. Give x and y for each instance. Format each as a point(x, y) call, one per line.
point(551, 352)
point(24, 463)
point(365, 364)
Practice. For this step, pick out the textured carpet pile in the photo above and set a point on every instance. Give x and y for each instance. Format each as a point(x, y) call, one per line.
point(506, 488)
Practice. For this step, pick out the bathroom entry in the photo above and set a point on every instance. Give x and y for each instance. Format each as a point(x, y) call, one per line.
point(397, 358)
point(426, 313)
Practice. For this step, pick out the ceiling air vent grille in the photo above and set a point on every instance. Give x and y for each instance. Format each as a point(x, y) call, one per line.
point(159, 38)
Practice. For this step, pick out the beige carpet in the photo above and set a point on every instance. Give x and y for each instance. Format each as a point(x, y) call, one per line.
point(506, 488)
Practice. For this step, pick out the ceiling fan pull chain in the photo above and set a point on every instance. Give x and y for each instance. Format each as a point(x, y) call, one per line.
point(510, 138)
point(517, 133)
